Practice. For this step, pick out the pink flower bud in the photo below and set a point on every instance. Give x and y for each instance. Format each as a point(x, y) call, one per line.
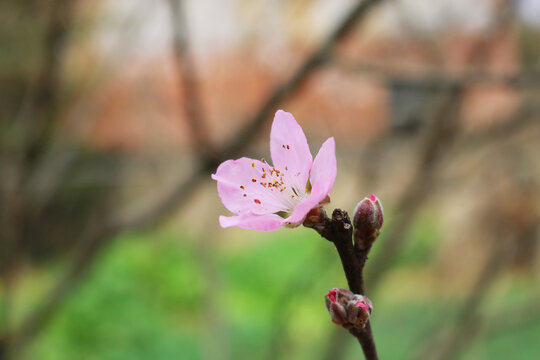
point(358, 311)
point(368, 218)
point(336, 301)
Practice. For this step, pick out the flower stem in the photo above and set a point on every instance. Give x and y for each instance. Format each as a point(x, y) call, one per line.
point(339, 231)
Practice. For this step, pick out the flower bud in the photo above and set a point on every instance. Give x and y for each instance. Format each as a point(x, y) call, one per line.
point(358, 311)
point(336, 301)
point(347, 309)
point(368, 219)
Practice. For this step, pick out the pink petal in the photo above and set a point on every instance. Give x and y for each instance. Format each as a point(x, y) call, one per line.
point(322, 177)
point(239, 186)
point(290, 150)
point(324, 169)
point(249, 221)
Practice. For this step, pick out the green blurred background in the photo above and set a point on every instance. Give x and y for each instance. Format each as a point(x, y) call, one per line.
point(115, 113)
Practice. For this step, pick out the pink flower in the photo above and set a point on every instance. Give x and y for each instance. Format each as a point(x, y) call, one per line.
point(265, 197)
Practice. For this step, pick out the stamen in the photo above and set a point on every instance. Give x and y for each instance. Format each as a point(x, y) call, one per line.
point(252, 164)
point(253, 180)
point(257, 201)
point(242, 187)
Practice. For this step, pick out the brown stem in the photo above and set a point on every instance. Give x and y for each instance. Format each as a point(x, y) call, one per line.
point(339, 231)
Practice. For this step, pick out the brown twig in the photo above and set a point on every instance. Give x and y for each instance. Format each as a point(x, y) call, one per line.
point(339, 231)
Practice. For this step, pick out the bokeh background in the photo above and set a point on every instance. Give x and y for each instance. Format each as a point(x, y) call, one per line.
point(114, 113)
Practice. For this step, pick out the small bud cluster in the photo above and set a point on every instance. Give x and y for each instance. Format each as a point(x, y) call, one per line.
point(368, 220)
point(347, 309)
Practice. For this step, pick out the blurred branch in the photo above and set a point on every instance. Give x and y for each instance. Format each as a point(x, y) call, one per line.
point(438, 141)
point(440, 135)
point(525, 314)
point(90, 245)
point(444, 129)
point(528, 114)
point(318, 58)
point(511, 225)
point(469, 318)
point(34, 125)
point(526, 78)
point(22, 145)
point(187, 78)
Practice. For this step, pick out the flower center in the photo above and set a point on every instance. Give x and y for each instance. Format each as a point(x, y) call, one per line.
point(276, 184)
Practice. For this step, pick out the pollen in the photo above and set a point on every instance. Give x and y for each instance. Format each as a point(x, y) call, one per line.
point(252, 164)
point(253, 180)
point(257, 201)
point(264, 175)
point(242, 187)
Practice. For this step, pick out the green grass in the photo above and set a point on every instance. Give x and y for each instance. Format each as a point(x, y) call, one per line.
point(151, 296)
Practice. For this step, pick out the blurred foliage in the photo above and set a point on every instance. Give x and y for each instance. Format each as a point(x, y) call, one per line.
point(146, 299)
